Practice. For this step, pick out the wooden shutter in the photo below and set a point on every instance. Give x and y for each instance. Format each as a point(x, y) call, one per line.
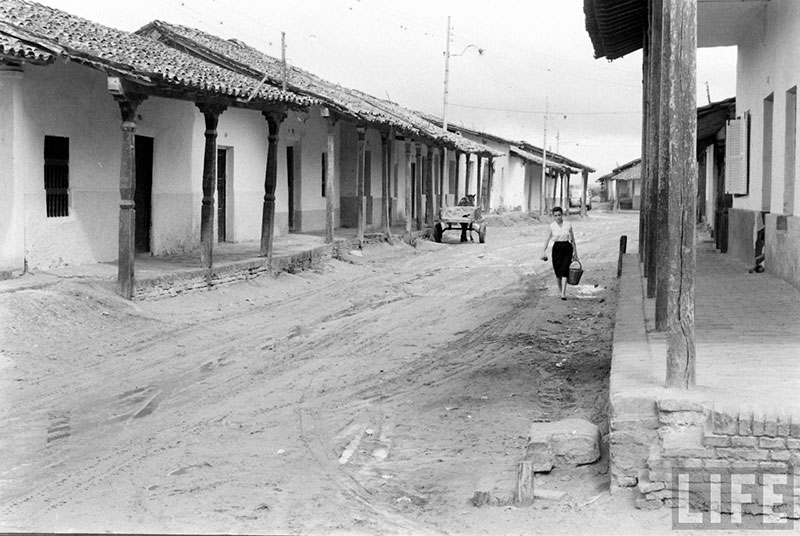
point(736, 164)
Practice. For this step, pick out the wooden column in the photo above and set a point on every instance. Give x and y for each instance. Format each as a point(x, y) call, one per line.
point(211, 113)
point(127, 190)
point(487, 203)
point(457, 174)
point(467, 172)
point(361, 200)
point(330, 189)
point(445, 178)
point(385, 169)
point(274, 120)
point(478, 181)
point(418, 187)
point(646, 65)
point(585, 179)
point(653, 134)
point(430, 187)
point(662, 289)
point(682, 198)
point(409, 199)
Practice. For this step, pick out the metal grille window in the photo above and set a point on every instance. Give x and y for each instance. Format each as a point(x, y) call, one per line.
point(56, 176)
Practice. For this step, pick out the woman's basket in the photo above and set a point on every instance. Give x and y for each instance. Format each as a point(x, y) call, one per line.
point(575, 273)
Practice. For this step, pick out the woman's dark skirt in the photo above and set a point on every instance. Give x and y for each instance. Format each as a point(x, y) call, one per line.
point(562, 258)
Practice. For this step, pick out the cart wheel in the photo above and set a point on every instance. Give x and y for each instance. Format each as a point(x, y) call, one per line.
point(482, 233)
point(437, 232)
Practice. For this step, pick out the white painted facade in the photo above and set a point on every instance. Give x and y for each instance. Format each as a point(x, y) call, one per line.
point(768, 76)
point(72, 101)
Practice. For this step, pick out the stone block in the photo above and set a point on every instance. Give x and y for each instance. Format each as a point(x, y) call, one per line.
point(690, 463)
point(679, 404)
point(743, 453)
point(571, 441)
point(781, 455)
point(744, 441)
point(660, 476)
point(690, 452)
point(644, 504)
point(713, 440)
point(772, 443)
point(793, 443)
point(758, 425)
point(784, 426)
point(717, 464)
point(681, 418)
point(540, 455)
point(795, 428)
point(725, 424)
point(771, 427)
point(745, 423)
point(743, 466)
point(773, 467)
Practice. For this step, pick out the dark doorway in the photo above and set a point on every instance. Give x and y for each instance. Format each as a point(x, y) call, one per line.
point(222, 188)
point(144, 192)
point(290, 185)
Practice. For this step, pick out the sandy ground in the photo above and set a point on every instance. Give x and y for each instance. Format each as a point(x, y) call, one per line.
point(373, 395)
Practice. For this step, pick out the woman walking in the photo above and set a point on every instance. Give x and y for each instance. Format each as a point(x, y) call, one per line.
point(564, 250)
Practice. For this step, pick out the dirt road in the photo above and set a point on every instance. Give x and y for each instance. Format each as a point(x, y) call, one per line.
point(374, 395)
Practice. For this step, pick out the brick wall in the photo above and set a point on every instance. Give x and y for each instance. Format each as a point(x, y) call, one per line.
point(704, 444)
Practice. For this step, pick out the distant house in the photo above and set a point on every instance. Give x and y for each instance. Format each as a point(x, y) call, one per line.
point(623, 186)
point(513, 180)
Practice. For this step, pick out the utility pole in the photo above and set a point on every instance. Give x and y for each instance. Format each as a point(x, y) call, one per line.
point(544, 160)
point(283, 58)
point(445, 162)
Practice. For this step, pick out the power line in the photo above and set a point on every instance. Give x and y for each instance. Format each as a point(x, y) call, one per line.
point(550, 112)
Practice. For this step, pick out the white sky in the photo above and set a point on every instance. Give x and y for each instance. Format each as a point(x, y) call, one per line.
point(536, 54)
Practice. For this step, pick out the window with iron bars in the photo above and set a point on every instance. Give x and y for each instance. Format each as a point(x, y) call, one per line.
point(56, 176)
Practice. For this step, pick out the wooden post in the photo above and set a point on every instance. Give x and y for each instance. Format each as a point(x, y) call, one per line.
point(662, 204)
point(385, 171)
point(478, 181)
point(646, 65)
point(523, 493)
point(418, 187)
point(585, 177)
point(653, 154)
point(457, 173)
point(487, 190)
point(274, 120)
point(330, 189)
point(467, 172)
point(430, 189)
point(409, 199)
point(211, 113)
point(623, 248)
point(127, 206)
point(361, 201)
point(682, 198)
point(443, 168)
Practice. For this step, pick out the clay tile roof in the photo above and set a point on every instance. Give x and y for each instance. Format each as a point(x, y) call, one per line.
point(13, 48)
point(236, 55)
point(129, 55)
point(616, 27)
point(631, 170)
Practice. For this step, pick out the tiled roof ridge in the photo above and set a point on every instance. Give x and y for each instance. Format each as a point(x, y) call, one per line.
point(369, 107)
point(112, 50)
